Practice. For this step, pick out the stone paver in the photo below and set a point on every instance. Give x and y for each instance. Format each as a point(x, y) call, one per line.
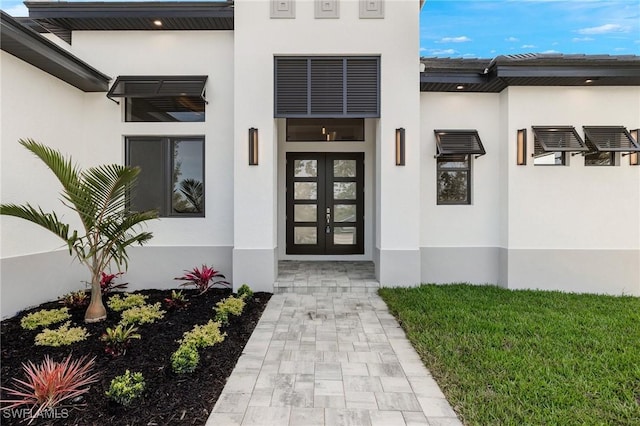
point(337, 358)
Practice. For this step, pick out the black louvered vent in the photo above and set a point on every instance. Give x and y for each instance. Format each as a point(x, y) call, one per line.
point(362, 86)
point(327, 87)
point(557, 139)
point(291, 87)
point(609, 139)
point(453, 142)
point(327, 84)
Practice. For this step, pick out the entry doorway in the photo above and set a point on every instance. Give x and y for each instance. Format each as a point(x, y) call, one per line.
point(325, 203)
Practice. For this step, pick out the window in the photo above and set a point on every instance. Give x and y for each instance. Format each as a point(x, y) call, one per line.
point(454, 179)
point(604, 141)
point(325, 129)
point(167, 108)
point(161, 98)
point(171, 179)
point(550, 144)
point(454, 149)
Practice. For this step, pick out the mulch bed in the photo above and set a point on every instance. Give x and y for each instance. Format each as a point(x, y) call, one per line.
point(169, 398)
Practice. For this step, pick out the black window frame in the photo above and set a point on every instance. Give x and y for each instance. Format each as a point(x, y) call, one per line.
point(174, 89)
point(607, 140)
point(572, 142)
point(174, 100)
point(325, 122)
point(166, 171)
point(468, 169)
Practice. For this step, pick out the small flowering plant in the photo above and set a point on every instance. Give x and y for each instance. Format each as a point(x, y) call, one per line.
point(203, 278)
point(107, 285)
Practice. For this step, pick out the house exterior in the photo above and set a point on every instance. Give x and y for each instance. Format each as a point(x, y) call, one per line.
point(312, 130)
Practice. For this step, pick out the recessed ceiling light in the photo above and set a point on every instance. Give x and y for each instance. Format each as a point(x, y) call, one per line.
point(157, 23)
point(588, 81)
point(460, 87)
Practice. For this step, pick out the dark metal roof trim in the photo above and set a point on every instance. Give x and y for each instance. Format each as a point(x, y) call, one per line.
point(132, 15)
point(558, 139)
point(446, 74)
point(31, 47)
point(609, 139)
point(454, 142)
point(145, 86)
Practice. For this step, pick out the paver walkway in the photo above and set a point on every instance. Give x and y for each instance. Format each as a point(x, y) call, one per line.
point(338, 359)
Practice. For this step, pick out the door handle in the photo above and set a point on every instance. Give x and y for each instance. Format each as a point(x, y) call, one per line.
point(327, 228)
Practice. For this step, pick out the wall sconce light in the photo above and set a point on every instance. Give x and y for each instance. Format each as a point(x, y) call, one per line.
point(253, 146)
point(633, 156)
point(521, 156)
point(400, 146)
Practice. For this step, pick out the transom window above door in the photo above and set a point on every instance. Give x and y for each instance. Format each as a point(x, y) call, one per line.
point(325, 129)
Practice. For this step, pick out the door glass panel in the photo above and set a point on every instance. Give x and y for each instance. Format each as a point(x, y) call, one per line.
point(344, 190)
point(344, 213)
point(305, 235)
point(305, 213)
point(305, 190)
point(305, 168)
point(344, 168)
point(344, 235)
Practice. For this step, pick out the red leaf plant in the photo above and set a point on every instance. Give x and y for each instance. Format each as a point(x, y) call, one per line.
point(49, 383)
point(107, 285)
point(203, 279)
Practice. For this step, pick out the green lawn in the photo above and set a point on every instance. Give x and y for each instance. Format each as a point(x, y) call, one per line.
point(507, 357)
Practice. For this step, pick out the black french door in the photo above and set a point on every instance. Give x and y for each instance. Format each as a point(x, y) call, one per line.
point(325, 203)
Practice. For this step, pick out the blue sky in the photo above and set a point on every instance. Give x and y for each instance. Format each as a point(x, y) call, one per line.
point(488, 28)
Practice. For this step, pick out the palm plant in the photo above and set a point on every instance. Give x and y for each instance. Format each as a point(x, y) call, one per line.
point(99, 196)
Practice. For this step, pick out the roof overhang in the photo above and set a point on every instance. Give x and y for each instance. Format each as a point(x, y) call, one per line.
point(131, 15)
point(481, 75)
point(31, 47)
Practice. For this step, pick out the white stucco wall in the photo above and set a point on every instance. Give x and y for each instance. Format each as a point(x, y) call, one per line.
point(573, 206)
point(91, 128)
point(570, 228)
point(395, 39)
point(476, 224)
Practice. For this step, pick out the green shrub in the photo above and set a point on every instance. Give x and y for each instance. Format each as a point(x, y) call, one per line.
point(117, 339)
point(44, 317)
point(145, 314)
point(118, 304)
point(125, 388)
point(202, 336)
point(230, 305)
point(61, 336)
point(185, 359)
point(245, 292)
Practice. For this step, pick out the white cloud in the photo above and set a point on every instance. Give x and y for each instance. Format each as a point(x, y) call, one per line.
point(550, 51)
point(620, 49)
point(461, 39)
point(582, 39)
point(511, 39)
point(443, 51)
point(603, 29)
point(423, 49)
point(528, 46)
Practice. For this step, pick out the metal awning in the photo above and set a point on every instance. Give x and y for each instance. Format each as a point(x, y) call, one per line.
point(158, 86)
point(609, 139)
point(455, 142)
point(558, 139)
